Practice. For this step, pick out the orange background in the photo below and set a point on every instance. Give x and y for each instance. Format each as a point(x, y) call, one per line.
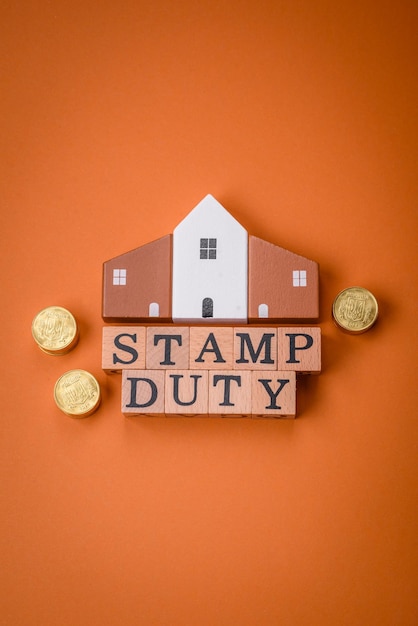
point(299, 116)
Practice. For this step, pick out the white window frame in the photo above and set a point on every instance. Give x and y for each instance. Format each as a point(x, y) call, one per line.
point(299, 278)
point(119, 276)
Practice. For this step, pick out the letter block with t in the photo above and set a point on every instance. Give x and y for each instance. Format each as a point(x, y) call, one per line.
point(230, 393)
point(167, 347)
point(143, 392)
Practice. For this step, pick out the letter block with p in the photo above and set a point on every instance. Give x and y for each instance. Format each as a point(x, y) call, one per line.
point(299, 349)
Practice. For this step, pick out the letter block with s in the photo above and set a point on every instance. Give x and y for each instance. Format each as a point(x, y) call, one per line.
point(123, 348)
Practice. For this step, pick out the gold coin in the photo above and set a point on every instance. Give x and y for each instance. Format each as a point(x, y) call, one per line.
point(55, 330)
point(77, 393)
point(355, 310)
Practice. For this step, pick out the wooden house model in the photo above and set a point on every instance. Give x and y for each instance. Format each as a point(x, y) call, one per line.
point(209, 271)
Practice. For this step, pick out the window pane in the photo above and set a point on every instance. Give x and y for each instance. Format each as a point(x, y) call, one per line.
point(203, 243)
point(212, 243)
point(212, 254)
point(203, 254)
point(119, 277)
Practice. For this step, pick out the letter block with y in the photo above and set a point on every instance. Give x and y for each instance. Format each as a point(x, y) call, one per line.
point(143, 392)
point(273, 394)
point(123, 347)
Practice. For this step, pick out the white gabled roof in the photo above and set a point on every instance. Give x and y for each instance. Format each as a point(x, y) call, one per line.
point(208, 212)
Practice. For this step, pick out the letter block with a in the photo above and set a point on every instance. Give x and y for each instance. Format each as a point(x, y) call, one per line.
point(211, 349)
point(143, 392)
point(273, 394)
point(123, 348)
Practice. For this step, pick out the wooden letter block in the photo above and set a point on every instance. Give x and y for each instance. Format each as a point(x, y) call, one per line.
point(143, 392)
point(230, 393)
point(273, 394)
point(255, 348)
point(186, 392)
point(211, 348)
point(299, 349)
point(123, 347)
point(167, 347)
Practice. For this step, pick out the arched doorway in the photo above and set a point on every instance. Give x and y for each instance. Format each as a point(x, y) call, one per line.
point(154, 309)
point(263, 310)
point(207, 307)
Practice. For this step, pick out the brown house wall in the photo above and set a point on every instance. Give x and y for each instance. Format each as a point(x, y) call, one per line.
point(270, 281)
point(148, 280)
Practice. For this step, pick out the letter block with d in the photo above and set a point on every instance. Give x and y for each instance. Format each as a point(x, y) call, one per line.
point(143, 392)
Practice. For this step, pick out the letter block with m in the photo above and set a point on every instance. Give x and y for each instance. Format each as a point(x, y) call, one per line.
point(255, 348)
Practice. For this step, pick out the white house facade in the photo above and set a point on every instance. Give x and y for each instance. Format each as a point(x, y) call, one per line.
point(210, 266)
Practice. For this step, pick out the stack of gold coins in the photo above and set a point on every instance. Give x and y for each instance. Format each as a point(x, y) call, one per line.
point(355, 310)
point(55, 330)
point(77, 393)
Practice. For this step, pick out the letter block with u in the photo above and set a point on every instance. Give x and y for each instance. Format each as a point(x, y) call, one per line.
point(186, 392)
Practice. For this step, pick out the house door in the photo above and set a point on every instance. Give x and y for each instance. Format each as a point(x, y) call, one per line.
point(207, 307)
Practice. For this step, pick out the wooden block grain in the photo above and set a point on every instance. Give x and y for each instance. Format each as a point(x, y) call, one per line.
point(186, 392)
point(255, 348)
point(273, 394)
point(143, 392)
point(299, 349)
point(211, 348)
point(123, 347)
point(230, 393)
point(167, 347)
